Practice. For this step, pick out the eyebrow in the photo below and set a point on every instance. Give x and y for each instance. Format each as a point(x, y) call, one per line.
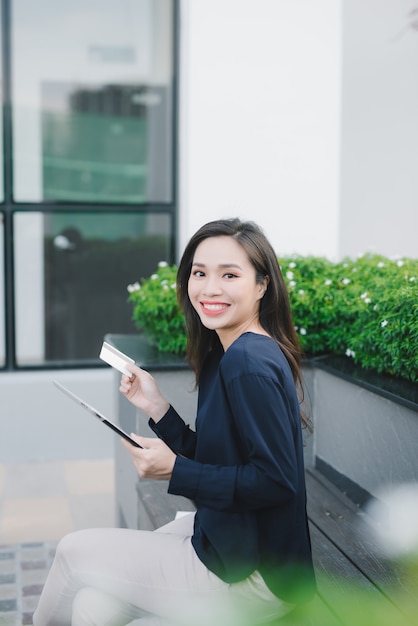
point(221, 265)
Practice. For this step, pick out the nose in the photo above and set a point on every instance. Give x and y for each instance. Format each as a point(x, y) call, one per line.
point(212, 286)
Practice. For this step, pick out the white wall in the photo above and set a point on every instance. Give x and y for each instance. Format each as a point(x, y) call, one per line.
point(259, 118)
point(379, 159)
point(302, 116)
point(39, 423)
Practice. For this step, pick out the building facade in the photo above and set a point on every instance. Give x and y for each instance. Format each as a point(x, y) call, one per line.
point(127, 124)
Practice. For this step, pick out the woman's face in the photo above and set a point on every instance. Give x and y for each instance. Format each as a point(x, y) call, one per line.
point(223, 290)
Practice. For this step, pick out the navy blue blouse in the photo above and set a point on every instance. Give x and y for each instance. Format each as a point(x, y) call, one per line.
point(244, 468)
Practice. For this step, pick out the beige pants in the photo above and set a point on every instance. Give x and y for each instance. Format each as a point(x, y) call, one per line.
point(116, 577)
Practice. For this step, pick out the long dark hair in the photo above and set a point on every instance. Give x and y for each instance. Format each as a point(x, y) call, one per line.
point(274, 314)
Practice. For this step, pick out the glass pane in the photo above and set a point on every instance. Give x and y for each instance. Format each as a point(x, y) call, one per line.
point(92, 100)
point(72, 272)
point(2, 303)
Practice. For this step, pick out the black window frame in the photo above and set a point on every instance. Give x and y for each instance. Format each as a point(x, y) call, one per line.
point(9, 207)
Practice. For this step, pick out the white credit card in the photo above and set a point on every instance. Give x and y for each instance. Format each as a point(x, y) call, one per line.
point(115, 358)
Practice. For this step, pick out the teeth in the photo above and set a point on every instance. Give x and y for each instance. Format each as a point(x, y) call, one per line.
point(214, 307)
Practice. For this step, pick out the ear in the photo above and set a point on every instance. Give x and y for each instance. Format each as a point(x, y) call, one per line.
point(263, 286)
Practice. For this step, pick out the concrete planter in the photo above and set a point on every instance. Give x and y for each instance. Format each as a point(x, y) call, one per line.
point(138, 501)
point(366, 428)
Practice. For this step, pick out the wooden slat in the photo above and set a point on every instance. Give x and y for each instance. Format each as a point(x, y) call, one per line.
point(343, 525)
point(342, 586)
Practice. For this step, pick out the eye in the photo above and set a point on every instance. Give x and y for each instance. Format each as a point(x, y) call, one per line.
point(230, 275)
point(198, 273)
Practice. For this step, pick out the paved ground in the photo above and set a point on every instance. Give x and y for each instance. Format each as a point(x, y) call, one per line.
point(39, 503)
point(23, 569)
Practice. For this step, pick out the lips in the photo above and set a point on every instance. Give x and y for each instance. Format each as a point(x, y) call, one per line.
point(214, 308)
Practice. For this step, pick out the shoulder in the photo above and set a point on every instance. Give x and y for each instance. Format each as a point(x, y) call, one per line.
point(253, 354)
point(252, 345)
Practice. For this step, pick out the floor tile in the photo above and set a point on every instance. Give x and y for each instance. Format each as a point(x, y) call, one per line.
point(40, 503)
point(85, 477)
point(36, 480)
point(35, 519)
point(8, 591)
point(7, 567)
point(10, 619)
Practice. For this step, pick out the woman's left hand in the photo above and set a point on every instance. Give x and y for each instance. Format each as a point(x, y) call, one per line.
point(154, 460)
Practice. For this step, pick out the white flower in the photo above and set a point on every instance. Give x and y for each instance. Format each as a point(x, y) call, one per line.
point(346, 281)
point(133, 287)
point(411, 280)
point(394, 513)
point(292, 283)
point(301, 292)
point(384, 323)
point(328, 282)
point(290, 275)
point(154, 276)
point(162, 264)
point(164, 282)
point(380, 264)
point(173, 286)
point(399, 263)
point(350, 353)
point(345, 264)
point(303, 331)
point(292, 264)
point(165, 287)
point(365, 298)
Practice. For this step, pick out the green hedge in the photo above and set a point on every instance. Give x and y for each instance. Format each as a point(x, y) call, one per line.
point(155, 309)
point(366, 309)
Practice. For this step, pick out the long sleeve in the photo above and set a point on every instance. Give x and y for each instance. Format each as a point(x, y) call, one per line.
point(175, 432)
point(268, 473)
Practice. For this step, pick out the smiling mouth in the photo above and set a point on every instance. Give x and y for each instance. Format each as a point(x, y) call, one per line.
point(214, 308)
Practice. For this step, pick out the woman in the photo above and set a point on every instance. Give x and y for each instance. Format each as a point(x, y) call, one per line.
point(245, 556)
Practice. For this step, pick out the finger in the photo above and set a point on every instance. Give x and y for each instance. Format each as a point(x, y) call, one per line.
point(133, 450)
point(125, 387)
point(143, 442)
point(134, 369)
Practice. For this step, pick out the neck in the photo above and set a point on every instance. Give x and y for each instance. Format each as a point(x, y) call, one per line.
point(227, 337)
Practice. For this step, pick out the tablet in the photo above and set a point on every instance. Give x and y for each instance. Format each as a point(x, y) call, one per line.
point(96, 413)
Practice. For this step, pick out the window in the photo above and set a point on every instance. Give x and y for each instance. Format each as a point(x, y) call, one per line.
point(71, 276)
point(89, 199)
point(92, 92)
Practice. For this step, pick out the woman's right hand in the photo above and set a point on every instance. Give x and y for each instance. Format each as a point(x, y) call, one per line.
point(142, 390)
